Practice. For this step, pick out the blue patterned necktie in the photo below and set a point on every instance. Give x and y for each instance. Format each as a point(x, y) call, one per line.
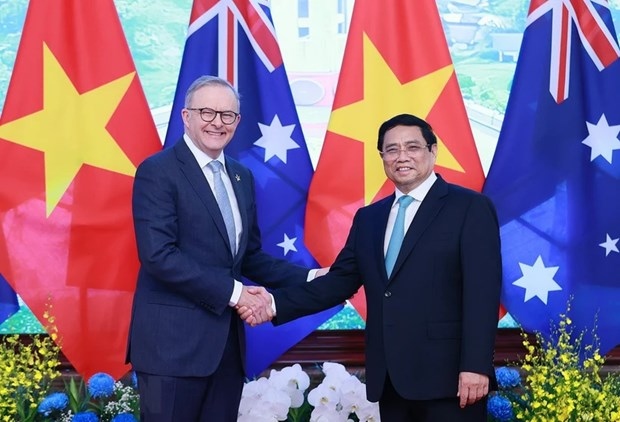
point(398, 234)
point(223, 202)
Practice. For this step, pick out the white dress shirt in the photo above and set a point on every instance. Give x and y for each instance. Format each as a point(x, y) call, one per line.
point(418, 195)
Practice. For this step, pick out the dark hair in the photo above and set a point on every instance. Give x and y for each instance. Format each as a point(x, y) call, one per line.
point(406, 120)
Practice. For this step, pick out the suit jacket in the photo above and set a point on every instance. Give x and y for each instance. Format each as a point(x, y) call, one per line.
point(437, 314)
point(181, 315)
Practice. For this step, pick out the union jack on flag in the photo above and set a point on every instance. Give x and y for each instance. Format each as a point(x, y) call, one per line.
point(597, 39)
point(232, 15)
point(235, 39)
point(555, 176)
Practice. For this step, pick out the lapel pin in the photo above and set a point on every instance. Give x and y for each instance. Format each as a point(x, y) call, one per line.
point(238, 177)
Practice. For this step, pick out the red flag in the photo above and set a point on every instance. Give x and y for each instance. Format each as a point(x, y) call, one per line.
point(396, 61)
point(74, 127)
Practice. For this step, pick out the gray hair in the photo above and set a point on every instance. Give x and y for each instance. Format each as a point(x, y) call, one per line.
point(209, 80)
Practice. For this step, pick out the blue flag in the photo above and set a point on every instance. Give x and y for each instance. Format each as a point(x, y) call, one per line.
point(8, 300)
point(236, 41)
point(555, 176)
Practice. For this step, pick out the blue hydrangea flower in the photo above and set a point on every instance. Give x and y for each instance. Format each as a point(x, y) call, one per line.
point(500, 408)
point(53, 402)
point(507, 378)
point(134, 380)
point(124, 417)
point(85, 417)
point(101, 385)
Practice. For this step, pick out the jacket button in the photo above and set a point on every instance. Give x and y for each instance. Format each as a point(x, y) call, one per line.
point(387, 294)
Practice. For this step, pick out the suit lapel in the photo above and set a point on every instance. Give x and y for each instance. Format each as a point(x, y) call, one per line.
point(430, 207)
point(234, 170)
point(382, 209)
point(196, 178)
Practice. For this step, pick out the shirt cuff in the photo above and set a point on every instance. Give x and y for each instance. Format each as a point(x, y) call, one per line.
point(236, 294)
point(312, 274)
point(273, 305)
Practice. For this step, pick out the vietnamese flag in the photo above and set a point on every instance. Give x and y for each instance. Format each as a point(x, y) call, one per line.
point(74, 127)
point(396, 61)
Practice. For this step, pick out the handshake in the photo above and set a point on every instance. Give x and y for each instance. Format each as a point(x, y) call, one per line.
point(255, 305)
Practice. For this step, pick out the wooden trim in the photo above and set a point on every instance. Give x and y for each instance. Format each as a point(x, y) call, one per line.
point(347, 347)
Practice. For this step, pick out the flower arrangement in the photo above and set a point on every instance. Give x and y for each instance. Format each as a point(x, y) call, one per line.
point(27, 371)
point(283, 396)
point(102, 400)
point(558, 379)
point(562, 381)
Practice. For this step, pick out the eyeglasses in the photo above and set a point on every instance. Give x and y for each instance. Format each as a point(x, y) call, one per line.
point(412, 150)
point(208, 115)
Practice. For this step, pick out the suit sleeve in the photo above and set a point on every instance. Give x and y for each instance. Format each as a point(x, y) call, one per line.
point(325, 292)
point(482, 277)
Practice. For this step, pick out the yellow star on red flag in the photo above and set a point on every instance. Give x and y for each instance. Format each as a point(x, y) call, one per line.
point(70, 130)
point(74, 126)
point(361, 120)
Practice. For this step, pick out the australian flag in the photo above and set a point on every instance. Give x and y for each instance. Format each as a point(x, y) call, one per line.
point(555, 176)
point(236, 41)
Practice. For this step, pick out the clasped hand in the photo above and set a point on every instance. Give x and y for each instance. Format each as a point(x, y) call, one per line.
point(254, 305)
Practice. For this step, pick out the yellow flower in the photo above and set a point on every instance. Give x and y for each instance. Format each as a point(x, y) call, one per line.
point(28, 371)
point(561, 384)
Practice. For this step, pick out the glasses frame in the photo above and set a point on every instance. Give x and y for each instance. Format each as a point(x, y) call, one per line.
point(409, 153)
point(215, 113)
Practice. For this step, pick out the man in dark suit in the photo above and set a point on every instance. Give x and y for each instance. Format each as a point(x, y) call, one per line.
point(432, 302)
point(186, 341)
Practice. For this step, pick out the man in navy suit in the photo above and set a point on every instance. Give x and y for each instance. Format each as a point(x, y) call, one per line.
point(186, 341)
point(432, 315)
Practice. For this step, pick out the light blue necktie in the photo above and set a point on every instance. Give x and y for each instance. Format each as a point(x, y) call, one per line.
point(223, 202)
point(398, 234)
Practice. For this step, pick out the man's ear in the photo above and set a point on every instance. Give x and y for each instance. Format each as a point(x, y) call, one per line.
point(185, 116)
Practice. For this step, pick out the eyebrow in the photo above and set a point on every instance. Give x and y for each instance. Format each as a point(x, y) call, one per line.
point(409, 142)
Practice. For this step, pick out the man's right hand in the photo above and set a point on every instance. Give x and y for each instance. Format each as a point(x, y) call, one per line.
point(254, 305)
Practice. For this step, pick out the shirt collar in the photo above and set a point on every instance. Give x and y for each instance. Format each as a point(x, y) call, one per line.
point(202, 158)
point(420, 192)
